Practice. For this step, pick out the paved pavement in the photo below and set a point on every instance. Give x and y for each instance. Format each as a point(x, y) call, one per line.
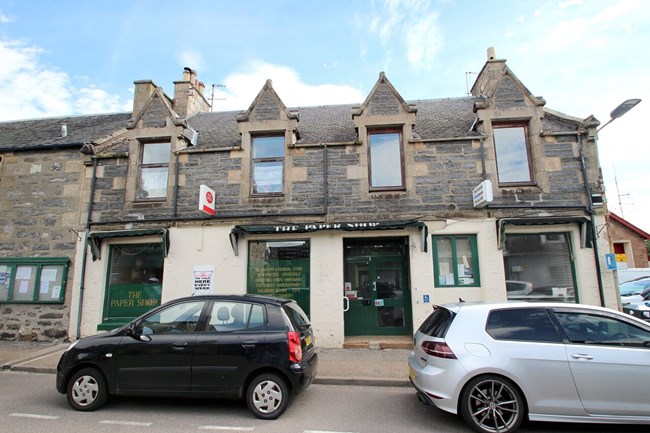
point(353, 366)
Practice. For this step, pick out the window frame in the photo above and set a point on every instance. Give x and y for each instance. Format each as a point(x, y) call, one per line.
point(280, 159)
point(12, 263)
point(110, 319)
point(475, 260)
point(142, 165)
point(402, 166)
point(550, 238)
point(531, 172)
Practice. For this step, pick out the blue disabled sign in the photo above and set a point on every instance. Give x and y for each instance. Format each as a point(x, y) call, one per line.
point(426, 299)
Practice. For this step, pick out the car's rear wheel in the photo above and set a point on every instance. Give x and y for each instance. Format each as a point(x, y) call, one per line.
point(492, 404)
point(267, 396)
point(87, 390)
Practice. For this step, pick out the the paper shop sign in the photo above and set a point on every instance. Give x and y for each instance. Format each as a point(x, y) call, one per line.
point(312, 227)
point(332, 226)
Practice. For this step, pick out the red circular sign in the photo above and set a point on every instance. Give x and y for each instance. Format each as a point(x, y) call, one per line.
point(208, 197)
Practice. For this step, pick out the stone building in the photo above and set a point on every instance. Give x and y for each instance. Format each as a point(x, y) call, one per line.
point(629, 243)
point(41, 176)
point(367, 214)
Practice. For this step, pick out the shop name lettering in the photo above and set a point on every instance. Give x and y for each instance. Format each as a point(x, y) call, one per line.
point(134, 299)
point(333, 226)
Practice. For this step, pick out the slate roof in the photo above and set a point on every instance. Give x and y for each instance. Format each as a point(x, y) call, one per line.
point(436, 119)
point(46, 133)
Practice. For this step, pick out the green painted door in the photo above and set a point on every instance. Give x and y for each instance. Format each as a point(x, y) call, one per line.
point(378, 299)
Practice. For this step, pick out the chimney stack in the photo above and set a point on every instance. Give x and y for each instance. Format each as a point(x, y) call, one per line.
point(143, 91)
point(188, 94)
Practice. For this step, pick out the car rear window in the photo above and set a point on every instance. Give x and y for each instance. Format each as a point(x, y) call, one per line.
point(522, 324)
point(437, 324)
point(298, 317)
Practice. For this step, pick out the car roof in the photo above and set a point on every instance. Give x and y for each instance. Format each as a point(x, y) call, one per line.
point(647, 277)
point(488, 306)
point(229, 297)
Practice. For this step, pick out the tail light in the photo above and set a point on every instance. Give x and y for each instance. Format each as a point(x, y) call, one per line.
point(438, 349)
point(295, 350)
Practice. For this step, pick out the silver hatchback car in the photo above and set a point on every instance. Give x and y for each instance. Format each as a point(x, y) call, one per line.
point(499, 364)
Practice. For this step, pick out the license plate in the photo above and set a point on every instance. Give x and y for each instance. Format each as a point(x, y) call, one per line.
point(411, 373)
point(308, 340)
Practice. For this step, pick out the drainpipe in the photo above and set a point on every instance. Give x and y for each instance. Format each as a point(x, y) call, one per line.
point(85, 255)
point(175, 199)
point(326, 178)
point(590, 209)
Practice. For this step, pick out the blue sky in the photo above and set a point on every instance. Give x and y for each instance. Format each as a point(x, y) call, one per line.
point(584, 57)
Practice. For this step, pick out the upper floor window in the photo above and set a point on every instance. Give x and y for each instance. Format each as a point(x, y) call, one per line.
point(268, 164)
point(154, 171)
point(512, 154)
point(386, 161)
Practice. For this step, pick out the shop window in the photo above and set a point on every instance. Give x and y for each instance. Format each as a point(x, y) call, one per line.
point(539, 267)
point(513, 154)
point(455, 261)
point(386, 160)
point(33, 280)
point(134, 282)
point(280, 268)
point(154, 171)
point(268, 165)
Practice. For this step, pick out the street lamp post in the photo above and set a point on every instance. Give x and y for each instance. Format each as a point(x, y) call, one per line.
point(619, 111)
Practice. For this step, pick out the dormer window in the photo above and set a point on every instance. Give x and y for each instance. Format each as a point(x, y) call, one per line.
point(154, 171)
point(385, 154)
point(268, 165)
point(512, 149)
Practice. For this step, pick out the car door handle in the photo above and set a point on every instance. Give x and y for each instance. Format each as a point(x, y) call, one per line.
point(179, 347)
point(581, 356)
point(248, 346)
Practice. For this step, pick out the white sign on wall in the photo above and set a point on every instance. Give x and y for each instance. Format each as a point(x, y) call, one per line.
point(206, 200)
point(203, 280)
point(482, 194)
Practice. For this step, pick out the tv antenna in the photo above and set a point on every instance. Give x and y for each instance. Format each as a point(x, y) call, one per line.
point(467, 74)
point(222, 86)
point(620, 204)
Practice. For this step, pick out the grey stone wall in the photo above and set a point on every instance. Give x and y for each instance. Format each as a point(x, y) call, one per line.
point(40, 199)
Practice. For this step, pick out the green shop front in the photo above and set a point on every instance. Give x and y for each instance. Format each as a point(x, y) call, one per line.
point(374, 288)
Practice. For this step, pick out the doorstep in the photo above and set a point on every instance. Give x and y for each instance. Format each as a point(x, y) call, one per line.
point(378, 342)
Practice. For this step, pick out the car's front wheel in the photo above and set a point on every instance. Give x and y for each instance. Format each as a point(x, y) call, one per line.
point(87, 390)
point(492, 404)
point(267, 396)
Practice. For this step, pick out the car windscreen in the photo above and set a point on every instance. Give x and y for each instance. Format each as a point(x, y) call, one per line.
point(633, 287)
point(437, 324)
point(297, 316)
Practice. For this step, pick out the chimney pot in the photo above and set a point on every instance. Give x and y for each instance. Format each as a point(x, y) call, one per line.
point(64, 130)
point(491, 53)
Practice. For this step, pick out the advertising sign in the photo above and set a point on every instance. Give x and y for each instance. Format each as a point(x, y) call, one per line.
point(482, 194)
point(206, 200)
point(203, 280)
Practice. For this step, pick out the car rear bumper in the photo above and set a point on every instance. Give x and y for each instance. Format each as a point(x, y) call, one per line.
point(434, 385)
point(302, 375)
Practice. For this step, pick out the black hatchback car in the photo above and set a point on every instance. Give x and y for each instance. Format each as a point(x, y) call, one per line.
point(256, 348)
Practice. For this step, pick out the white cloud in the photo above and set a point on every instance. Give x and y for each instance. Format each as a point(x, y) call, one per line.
point(4, 19)
point(192, 59)
point(409, 24)
point(242, 87)
point(30, 89)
